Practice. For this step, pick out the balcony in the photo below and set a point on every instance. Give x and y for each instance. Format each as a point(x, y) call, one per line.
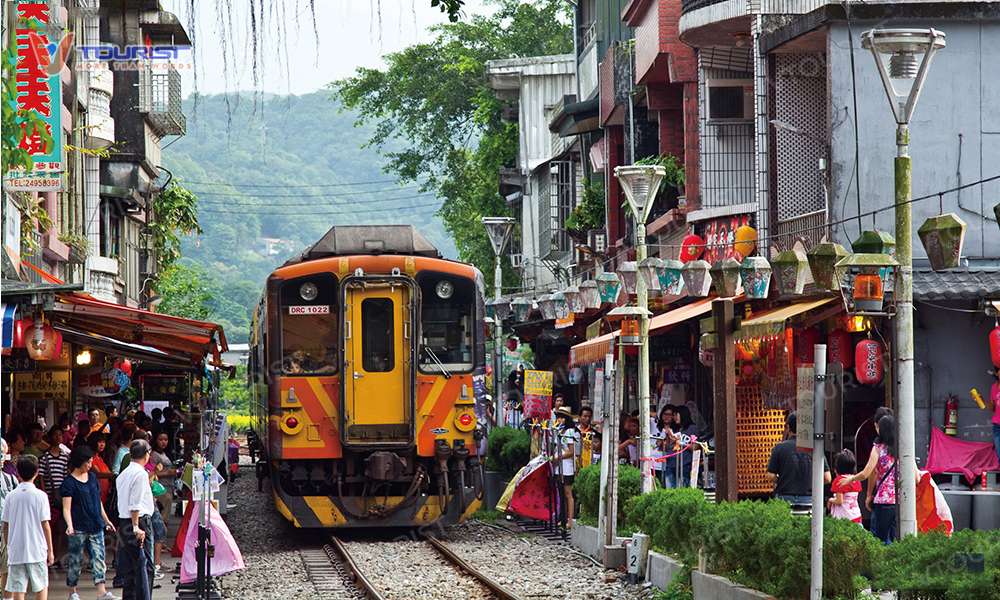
point(100, 124)
point(160, 101)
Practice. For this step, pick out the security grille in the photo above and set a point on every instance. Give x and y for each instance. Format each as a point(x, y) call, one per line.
point(561, 201)
point(160, 100)
point(727, 149)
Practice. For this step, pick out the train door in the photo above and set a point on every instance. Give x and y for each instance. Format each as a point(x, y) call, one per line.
point(378, 373)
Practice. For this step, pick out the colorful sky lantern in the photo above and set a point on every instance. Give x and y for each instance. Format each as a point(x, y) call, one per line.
point(839, 343)
point(560, 305)
point(755, 275)
point(609, 286)
point(488, 306)
point(868, 362)
point(726, 277)
point(692, 248)
point(649, 271)
point(790, 269)
point(575, 299)
point(628, 273)
point(671, 282)
point(942, 237)
point(501, 308)
point(521, 308)
point(590, 294)
point(545, 307)
point(823, 259)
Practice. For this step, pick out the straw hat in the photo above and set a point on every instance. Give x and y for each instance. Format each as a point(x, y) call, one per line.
point(564, 411)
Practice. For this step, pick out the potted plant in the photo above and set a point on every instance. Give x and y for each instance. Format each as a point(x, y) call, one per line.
point(588, 214)
point(671, 186)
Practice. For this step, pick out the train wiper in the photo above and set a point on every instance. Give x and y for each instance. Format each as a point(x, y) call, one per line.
point(437, 360)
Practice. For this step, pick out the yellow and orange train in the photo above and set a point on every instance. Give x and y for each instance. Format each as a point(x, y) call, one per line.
point(367, 357)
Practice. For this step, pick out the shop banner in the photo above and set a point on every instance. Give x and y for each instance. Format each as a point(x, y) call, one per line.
point(537, 394)
point(99, 382)
point(42, 385)
point(720, 237)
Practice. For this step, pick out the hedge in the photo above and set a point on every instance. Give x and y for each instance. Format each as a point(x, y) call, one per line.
point(587, 488)
point(508, 449)
point(963, 566)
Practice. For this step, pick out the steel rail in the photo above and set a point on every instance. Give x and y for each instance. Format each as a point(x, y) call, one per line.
point(501, 592)
point(355, 576)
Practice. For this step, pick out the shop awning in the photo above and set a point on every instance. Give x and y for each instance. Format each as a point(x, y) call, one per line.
point(9, 310)
point(592, 350)
point(112, 346)
point(665, 321)
point(773, 322)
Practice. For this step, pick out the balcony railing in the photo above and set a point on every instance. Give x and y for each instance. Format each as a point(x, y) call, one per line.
point(160, 101)
point(801, 232)
point(691, 5)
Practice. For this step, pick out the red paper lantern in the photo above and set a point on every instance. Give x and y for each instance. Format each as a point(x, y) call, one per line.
point(46, 344)
point(806, 340)
point(19, 328)
point(125, 365)
point(691, 248)
point(868, 361)
point(839, 343)
point(995, 347)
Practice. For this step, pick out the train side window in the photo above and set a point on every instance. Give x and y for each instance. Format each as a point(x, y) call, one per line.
point(378, 336)
point(309, 322)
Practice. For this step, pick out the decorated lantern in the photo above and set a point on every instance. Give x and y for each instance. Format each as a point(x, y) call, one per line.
point(671, 282)
point(501, 308)
point(649, 271)
point(823, 259)
point(706, 355)
point(628, 273)
point(590, 294)
point(43, 341)
point(521, 308)
point(805, 342)
point(691, 248)
point(868, 294)
point(609, 286)
point(488, 305)
point(839, 343)
point(511, 344)
point(575, 299)
point(942, 237)
point(560, 305)
point(868, 361)
point(875, 242)
point(726, 276)
point(124, 365)
point(755, 274)
point(995, 347)
point(545, 307)
point(746, 241)
point(790, 269)
point(20, 327)
point(696, 277)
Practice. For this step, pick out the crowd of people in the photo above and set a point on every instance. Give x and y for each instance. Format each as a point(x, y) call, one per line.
point(109, 478)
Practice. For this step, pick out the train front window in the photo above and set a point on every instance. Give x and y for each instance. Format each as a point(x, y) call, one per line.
point(309, 321)
point(377, 336)
point(446, 323)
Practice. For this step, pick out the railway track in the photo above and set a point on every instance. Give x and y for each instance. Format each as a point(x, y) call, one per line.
point(335, 572)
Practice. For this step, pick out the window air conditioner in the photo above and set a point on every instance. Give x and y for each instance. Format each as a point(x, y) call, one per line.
point(515, 261)
point(730, 100)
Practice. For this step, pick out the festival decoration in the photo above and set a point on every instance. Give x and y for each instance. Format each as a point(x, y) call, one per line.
point(746, 240)
point(546, 307)
point(575, 299)
point(790, 269)
point(560, 305)
point(501, 308)
point(590, 295)
point(868, 361)
point(995, 347)
point(488, 306)
point(875, 242)
point(706, 355)
point(521, 308)
point(755, 274)
point(692, 248)
point(867, 283)
point(42, 341)
point(628, 273)
point(823, 259)
point(671, 282)
point(512, 344)
point(649, 270)
point(609, 286)
point(942, 237)
point(805, 343)
point(696, 277)
point(839, 343)
point(726, 277)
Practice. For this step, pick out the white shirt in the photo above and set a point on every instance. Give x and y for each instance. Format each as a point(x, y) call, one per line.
point(134, 491)
point(24, 509)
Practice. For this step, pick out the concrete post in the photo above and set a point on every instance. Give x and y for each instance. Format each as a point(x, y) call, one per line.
point(642, 299)
point(818, 446)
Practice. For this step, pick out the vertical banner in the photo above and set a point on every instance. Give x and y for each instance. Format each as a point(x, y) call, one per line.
point(12, 233)
point(598, 403)
point(537, 394)
point(39, 92)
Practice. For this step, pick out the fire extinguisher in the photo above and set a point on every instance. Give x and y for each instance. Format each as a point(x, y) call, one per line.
point(951, 416)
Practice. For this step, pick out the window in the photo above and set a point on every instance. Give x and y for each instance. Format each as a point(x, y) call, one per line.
point(309, 320)
point(377, 335)
point(446, 322)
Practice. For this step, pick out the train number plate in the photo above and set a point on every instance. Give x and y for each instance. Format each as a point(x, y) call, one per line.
point(308, 310)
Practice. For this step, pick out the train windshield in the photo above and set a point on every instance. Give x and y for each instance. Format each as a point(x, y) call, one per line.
point(446, 322)
point(309, 319)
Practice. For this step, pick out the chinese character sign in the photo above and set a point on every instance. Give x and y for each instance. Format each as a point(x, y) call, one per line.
point(537, 394)
point(42, 385)
point(720, 238)
point(38, 92)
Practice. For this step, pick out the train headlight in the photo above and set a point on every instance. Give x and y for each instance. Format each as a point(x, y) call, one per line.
point(444, 290)
point(308, 291)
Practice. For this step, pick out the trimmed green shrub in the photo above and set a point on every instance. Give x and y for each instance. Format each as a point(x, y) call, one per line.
point(669, 518)
point(925, 567)
point(587, 489)
point(509, 449)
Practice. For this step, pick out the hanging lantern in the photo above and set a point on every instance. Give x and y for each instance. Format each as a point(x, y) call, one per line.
point(628, 273)
point(823, 259)
point(839, 343)
point(671, 282)
point(868, 361)
point(488, 305)
point(511, 344)
point(590, 294)
point(755, 274)
point(501, 308)
point(124, 365)
point(20, 327)
point(868, 294)
point(545, 307)
point(706, 355)
point(746, 241)
point(521, 308)
point(805, 342)
point(790, 269)
point(649, 270)
point(875, 242)
point(609, 286)
point(726, 277)
point(43, 341)
point(696, 278)
point(995, 347)
point(575, 299)
point(692, 248)
point(942, 237)
point(560, 305)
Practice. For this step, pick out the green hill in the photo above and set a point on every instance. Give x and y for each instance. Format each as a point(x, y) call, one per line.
point(273, 178)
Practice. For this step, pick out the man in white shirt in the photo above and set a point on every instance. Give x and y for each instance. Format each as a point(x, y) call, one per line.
point(27, 535)
point(135, 532)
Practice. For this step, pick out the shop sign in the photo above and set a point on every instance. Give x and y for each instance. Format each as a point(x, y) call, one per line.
point(537, 394)
point(720, 238)
point(99, 382)
point(38, 92)
point(12, 233)
point(664, 347)
point(19, 361)
point(564, 323)
point(678, 374)
point(42, 385)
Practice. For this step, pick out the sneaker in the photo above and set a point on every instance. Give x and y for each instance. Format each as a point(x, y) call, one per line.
point(108, 596)
point(74, 596)
point(158, 575)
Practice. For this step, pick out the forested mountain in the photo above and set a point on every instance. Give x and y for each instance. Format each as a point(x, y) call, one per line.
point(270, 180)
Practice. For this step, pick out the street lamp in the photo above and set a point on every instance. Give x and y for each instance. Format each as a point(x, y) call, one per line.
point(499, 230)
point(898, 53)
point(640, 183)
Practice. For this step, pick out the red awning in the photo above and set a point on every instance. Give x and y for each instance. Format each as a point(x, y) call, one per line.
point(592, 350)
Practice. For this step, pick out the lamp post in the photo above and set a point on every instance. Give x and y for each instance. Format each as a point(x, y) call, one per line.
point(898, 53)
point(640, 184)
point(499, 229)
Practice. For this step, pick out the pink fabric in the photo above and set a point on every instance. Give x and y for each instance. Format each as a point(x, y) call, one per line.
point(886, 494)
point(995, 396)
point(949, 454)
point(227, 556)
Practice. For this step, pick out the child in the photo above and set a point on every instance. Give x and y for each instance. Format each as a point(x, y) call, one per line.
point(844, 504)
point(26, 534)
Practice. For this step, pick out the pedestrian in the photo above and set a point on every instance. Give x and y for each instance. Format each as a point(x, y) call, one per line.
point(880, 498)
point(86, 522)
point(684, 436)
point(660, 435)
point(52, 469)
point(69, 431)
point(128, 432)
point(844, 503)
point(94, 418)
point(8, 483)
point(628, 449)
point(567, 438)
point(36, 444)
point(15, 446)
point(82, 433)
point(97, 442)
point(27, 534)
point(790, 470)
point(135, 529)
point(585, 449)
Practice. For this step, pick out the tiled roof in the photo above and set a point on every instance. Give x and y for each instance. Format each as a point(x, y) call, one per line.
point(970, 283)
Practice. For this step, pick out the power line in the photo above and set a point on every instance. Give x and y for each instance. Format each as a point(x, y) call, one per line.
point(276, 204)
point(348, 212)
point(253, 195)
point(310, 185)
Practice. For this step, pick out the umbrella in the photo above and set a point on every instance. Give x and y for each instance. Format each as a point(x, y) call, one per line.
point(227, 557)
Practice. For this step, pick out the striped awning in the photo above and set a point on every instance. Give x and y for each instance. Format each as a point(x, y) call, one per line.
point(592, 350)
point(773, 322)
point(9, 314)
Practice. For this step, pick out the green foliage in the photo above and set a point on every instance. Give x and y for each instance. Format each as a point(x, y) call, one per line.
point(924, 567)
point(15, 122)
point(679, 587)
point(176, 212)
point(674, 167)
point(509, 449)
point(185, 292)
point(670, 518)
point(487, 516)
point(238, 423)
point(587, 488)
point(589, 213)
point(234, 393)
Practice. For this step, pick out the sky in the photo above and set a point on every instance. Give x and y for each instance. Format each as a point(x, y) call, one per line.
point(349, 36)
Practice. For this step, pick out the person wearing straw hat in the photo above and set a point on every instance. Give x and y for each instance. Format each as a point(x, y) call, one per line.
point(567, 437)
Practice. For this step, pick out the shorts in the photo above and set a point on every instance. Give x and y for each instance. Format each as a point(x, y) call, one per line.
point(18, 577)
point(159, 529)
point(568, 479)
point(3, 560)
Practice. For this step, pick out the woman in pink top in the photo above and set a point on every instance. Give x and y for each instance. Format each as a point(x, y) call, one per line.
point(881, 498)
point(995, 397)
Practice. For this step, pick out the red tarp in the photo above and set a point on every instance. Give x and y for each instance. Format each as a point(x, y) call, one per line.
point(532, 496)
point(948, 454)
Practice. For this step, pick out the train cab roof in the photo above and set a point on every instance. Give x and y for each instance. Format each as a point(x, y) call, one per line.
point(344, 240)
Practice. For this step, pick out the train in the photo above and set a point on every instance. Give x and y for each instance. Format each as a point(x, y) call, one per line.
point(367, 360)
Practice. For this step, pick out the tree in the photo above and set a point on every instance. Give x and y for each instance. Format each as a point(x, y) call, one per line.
point(176, 212)
point(185, 292)
point(234, 393)
point(435, 97)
